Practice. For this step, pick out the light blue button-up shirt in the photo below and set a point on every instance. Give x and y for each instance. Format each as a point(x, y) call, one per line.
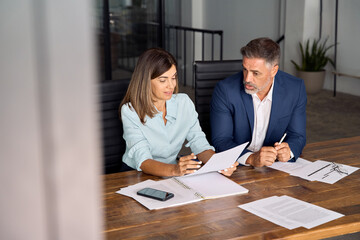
point(155, 140)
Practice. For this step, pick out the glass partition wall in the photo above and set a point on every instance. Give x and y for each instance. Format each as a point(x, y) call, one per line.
point(126, 28)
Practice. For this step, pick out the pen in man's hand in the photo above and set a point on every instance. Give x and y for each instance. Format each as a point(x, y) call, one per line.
point(282, 139)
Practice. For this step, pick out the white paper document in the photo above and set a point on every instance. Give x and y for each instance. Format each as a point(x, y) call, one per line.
point(322, 171)
point(222, 160)
point(290, 167)
point(290, 212)
point(213, 185)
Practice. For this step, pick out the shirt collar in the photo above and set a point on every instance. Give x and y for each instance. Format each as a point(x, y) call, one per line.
point(171, 110)
point(269, 96)
point(171, 107)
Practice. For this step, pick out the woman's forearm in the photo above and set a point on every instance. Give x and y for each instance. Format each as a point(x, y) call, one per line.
point(157, 168)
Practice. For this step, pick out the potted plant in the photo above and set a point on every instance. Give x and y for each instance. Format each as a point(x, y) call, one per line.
point(313, 61)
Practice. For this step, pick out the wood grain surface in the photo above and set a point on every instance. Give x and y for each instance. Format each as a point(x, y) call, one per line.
point(221, 218)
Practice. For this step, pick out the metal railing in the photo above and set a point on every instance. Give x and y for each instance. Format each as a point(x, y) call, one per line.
point(181, 42)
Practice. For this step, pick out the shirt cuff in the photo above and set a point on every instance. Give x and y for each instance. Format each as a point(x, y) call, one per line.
point(291, 155)
point(243, 158)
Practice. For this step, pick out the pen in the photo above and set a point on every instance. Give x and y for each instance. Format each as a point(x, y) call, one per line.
point(318, 170)
point(179, 156)
point(282, 139)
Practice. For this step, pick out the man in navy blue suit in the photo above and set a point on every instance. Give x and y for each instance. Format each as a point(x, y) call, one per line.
point(259, 105)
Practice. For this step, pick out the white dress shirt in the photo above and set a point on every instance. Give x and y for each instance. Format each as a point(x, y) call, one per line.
point(262, 110)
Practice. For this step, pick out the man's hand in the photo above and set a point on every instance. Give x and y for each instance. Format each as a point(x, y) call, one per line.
point(283, 151)
point(266, 156)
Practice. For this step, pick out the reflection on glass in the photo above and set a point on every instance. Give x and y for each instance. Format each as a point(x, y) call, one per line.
point(134, 27)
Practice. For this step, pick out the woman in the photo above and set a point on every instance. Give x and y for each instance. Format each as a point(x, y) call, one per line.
point(157, 120)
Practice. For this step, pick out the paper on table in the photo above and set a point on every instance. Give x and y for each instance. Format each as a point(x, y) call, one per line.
point(213, 185)
point(307, 214)
point(308, 171)
point(290, 167)
point(257, 208)
point(129, 191)
point(221, 160)
point(181, 195)
point(290, 212)
point(324, 171)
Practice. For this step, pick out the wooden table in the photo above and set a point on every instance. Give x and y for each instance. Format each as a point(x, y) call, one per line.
point(222, 219)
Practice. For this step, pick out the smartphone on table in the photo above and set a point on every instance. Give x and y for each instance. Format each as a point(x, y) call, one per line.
point(155, 194)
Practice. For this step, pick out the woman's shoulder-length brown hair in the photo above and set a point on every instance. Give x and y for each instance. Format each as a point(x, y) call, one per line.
point(151, 64)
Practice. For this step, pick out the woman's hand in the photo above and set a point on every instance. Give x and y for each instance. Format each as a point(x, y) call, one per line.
point(229, 171)
point(186, 165)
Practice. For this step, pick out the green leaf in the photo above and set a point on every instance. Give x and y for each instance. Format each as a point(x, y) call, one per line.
point(313, 56)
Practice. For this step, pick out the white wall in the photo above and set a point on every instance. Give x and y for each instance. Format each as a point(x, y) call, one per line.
point(294, 28)
point(302, 22)
point(242, 21)
point(348, 49)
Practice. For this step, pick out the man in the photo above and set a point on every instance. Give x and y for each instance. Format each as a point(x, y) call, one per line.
point(259, 105)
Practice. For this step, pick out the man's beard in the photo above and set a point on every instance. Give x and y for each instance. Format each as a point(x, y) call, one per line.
point(256, 88)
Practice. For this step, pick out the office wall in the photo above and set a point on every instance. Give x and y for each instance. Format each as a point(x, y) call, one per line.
point(302, 22)
point(294, 32)
point(242, 21)
point(50, 161)
point(348, 50)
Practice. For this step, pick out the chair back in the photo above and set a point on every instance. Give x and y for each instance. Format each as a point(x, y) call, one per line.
point(111, 94)
point(207, 74)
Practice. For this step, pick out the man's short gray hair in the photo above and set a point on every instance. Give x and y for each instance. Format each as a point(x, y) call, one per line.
point(262, 48)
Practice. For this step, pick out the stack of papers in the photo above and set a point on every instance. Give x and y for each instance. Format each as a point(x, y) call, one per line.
point(290, 212)
point(322, 171)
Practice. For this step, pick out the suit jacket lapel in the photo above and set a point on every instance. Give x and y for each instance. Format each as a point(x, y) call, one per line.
point(276, 107)
point(248, 103)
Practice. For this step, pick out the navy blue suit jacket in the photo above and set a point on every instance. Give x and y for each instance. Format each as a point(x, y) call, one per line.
point(232, 113)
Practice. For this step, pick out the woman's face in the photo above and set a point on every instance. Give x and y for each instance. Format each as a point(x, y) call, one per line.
point(163, 86)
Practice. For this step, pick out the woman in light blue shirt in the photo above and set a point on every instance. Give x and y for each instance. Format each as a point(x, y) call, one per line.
point(157, 120)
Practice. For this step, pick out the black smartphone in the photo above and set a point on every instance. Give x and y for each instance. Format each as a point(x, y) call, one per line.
point(155, 194)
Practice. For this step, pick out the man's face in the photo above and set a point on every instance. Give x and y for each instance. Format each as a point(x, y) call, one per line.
point(258, 75)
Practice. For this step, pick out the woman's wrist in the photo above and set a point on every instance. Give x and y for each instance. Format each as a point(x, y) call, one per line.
point(174, 170)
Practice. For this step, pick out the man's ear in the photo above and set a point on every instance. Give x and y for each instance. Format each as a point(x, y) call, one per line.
point(274, 70)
